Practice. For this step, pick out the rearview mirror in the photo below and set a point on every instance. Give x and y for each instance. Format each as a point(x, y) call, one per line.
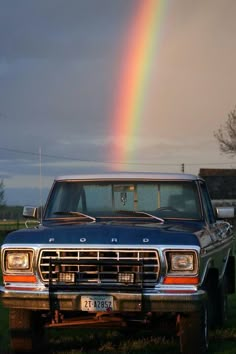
point(225, 212)
point(30, 212)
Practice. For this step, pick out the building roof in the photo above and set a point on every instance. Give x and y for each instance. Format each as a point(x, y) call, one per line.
point(217, 172)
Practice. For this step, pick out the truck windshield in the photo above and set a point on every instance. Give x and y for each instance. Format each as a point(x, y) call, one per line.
point(164, 199)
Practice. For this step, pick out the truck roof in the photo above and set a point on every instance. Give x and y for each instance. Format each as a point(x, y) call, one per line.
point(151, 176)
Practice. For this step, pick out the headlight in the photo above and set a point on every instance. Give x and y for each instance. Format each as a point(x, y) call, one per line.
point(18, 261)
point(182, 262)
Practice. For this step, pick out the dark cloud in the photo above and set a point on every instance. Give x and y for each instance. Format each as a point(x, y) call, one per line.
point(58, 28)
point(59, 74)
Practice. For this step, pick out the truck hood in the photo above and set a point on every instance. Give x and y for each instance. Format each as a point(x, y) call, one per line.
point(171, 233)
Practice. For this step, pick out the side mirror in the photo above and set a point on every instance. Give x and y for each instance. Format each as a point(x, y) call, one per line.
point(225, 212)
point(30, 212)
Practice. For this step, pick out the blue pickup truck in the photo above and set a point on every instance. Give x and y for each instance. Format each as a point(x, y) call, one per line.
point(121, 249)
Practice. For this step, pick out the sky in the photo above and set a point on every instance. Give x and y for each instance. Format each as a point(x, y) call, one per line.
point(61, 77)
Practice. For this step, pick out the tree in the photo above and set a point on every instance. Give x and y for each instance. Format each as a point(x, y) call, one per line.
point(226, 135)
point(2, 194)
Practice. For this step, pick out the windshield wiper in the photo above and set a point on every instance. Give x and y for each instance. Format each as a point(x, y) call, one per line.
point(75, 213)
point(142, 213)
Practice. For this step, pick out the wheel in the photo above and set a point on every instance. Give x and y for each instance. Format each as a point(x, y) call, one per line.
point(221, 312)
point(217, 303)
point(26, 331)
point(193, 332)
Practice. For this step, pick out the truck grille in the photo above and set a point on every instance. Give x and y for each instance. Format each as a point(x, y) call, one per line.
point(101, 267)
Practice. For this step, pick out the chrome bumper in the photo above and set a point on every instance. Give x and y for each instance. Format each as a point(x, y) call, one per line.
point(158, 301)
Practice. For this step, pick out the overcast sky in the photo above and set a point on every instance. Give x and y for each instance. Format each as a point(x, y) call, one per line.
point(59, 65)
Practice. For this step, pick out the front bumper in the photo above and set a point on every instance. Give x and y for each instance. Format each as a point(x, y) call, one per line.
point(167, 300)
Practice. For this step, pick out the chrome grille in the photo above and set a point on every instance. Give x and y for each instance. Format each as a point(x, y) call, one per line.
point(96, 266)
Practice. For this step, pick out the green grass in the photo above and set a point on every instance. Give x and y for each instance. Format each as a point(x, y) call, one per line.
point(141, 342)
point(12, 225)
point(81, 341)
point(4, 335)
point(108, 342)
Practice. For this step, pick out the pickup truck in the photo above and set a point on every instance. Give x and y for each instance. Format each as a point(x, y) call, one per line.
point(121, 249)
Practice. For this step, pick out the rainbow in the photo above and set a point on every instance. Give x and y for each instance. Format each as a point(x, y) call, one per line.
point(140, 50)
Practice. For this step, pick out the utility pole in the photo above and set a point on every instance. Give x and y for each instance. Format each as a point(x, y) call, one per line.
point(40, 185)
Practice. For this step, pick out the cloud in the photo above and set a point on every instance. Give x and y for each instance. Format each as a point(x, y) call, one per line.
point(59, 73)
point(59, 29)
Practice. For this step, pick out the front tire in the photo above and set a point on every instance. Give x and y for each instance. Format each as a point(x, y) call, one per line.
point(193, 332)
point(26, 331)
point(222, 304)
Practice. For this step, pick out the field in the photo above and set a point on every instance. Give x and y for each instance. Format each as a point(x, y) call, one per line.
point(74, 341)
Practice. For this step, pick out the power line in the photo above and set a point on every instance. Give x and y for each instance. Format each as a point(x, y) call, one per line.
point(44, 155)
point(83, 160)
point(61, 157)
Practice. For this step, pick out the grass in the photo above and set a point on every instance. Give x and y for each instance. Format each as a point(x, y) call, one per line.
point(4, 335)
point(81, 341)
point(9, 225)
point(141, 342)
point(12, 225)
point(109, 342)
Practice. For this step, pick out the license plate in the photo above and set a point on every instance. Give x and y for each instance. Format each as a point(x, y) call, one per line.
point(96, 303)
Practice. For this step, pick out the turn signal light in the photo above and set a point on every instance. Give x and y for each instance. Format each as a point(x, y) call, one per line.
point(181, 280)
point(19, 279)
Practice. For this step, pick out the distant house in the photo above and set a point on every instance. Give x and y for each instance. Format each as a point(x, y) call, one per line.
point(221, 183)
